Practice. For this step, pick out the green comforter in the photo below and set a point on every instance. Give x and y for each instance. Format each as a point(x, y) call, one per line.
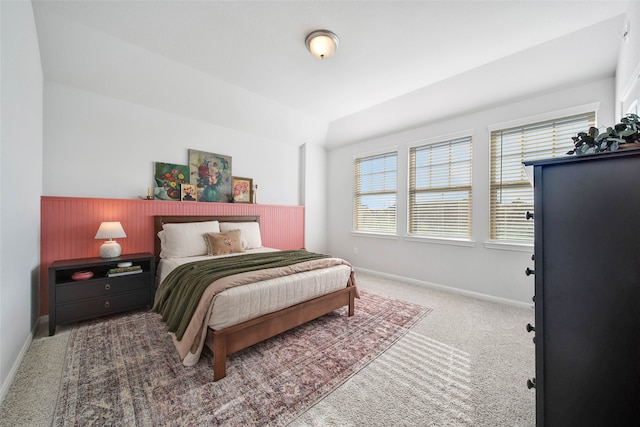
point(179, 293)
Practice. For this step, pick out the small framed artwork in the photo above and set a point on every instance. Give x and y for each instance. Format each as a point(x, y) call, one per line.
point(188, 193)
point(242, 190)
point(168, 179)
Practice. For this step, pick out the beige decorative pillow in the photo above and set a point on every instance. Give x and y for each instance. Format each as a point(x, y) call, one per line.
point(185, 240)
point(223, 243)
point(251, 238)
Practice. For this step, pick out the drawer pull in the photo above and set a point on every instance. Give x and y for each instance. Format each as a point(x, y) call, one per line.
point(529, 271)
point(531, 383)
point(530, 328)
point(107, 287)
point(529, 215)
point(107, 304)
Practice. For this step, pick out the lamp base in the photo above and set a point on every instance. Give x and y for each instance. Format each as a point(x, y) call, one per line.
point(110, 249)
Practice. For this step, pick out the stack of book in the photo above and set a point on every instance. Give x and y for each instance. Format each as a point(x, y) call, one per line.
point(123, 271)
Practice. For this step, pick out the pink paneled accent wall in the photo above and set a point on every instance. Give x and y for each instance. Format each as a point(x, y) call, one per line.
point(69, 225)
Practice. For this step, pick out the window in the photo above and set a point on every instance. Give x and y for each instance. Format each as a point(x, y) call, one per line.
point(511, 192)
point(376, 183)
point(440, 189)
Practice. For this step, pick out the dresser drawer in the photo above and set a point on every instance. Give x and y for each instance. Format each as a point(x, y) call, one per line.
point(108, 286)
point(94, 307)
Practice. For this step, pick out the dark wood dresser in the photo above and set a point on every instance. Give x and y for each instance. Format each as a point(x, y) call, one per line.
point(73, 300)
point(587, 290)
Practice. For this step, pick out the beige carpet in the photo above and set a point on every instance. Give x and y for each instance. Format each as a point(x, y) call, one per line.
point(465, 364)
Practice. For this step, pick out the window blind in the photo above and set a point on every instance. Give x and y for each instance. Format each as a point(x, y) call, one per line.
point(376, 184)
point(511, 192)
point(440, 189)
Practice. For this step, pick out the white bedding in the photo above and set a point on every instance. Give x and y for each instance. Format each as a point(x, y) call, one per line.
point(242, 303)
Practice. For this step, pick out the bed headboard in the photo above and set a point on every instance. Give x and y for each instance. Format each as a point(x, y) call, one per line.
point(158, 222)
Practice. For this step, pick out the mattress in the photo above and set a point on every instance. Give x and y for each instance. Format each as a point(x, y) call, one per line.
point(246, 302)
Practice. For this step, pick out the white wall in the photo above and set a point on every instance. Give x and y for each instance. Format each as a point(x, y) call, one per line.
point(628, 70)
point(20, 184)
point(492, 272)
point(314, 196)
point(98, 146)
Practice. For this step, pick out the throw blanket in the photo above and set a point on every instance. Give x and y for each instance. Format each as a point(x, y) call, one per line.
point(179, 294)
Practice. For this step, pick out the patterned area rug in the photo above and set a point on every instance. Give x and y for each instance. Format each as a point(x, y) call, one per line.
point(124, 370)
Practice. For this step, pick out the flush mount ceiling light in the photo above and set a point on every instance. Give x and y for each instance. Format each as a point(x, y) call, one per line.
point(322, 43)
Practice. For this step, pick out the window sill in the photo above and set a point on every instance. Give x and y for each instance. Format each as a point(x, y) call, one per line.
point(441, 240)
point(508, 246)
point(376, 235)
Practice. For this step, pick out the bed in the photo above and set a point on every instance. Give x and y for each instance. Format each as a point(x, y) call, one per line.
point(263, 304)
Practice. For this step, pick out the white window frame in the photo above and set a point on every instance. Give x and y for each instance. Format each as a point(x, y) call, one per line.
point(369, 155)
point(524, 245)
point(441, 238)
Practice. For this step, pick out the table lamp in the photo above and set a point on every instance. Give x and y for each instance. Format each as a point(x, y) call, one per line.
point(110, 230)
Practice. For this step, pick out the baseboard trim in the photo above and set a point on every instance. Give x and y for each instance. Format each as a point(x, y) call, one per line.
point(470, 294)
point(23, 352)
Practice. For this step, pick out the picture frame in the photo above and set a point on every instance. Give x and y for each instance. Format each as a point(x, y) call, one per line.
point(188, 193)
point(242, 190)
point(168, 178)
point(211, 174)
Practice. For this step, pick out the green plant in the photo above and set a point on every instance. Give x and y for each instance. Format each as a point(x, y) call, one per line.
point(592, 141)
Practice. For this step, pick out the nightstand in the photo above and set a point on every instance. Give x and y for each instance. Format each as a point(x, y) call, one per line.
point(74, 300)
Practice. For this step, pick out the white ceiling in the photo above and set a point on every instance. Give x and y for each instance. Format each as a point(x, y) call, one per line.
point(387, 48)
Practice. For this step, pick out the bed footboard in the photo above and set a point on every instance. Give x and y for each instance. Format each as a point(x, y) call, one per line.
point(235, 338)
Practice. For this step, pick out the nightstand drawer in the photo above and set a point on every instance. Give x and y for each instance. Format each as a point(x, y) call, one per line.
point(89, 308)
point(102, 287)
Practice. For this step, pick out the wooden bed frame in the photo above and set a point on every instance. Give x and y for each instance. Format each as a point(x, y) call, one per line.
point(235, 338)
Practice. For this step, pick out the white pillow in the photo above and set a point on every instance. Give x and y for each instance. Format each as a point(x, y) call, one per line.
point(185, 240)
point(250, 233)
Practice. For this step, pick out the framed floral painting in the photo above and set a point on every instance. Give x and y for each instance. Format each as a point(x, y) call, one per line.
point(188, 193)
point(168, 178)
point(242, 190)
point(211, 174)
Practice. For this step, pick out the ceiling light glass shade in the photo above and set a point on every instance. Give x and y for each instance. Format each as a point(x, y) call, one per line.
point(110, 230)
point(322, 44)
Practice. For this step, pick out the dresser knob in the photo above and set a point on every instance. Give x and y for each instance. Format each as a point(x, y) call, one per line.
point(531, 383)
point(533, 257)
point(107, 304)
point(530, 328)
point(529, 215)
point(107, 287)
point(529, 271)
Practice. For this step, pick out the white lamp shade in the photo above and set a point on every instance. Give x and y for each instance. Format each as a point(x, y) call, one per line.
point(322, 44)
point(110, 230)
